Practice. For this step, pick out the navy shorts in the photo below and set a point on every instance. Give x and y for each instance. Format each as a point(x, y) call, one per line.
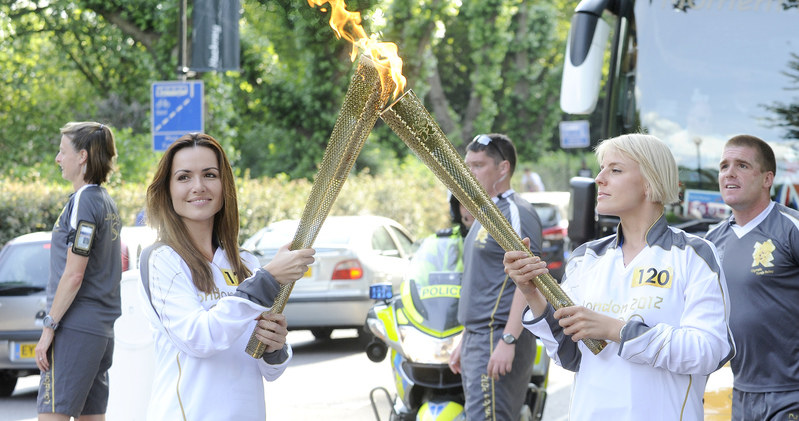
point(77, 382)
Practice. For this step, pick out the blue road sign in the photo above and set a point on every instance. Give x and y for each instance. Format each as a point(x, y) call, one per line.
point(574, 134)
point(176, 108)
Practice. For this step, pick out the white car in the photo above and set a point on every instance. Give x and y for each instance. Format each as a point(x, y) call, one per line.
point(24, 273)
point(352, 253)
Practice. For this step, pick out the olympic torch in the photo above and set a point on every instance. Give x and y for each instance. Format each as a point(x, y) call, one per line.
point(370, 88)
point(409, 119)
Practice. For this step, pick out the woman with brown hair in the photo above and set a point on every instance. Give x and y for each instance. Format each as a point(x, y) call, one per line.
point(75, 350)
point(206, 296)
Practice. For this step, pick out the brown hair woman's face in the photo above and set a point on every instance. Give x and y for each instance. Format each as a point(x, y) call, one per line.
point(195, 185)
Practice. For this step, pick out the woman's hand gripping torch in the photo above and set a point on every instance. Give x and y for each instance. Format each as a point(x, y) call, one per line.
point(369, 90)
point(408, 118)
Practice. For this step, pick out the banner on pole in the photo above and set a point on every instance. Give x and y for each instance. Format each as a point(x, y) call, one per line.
point(215, 36)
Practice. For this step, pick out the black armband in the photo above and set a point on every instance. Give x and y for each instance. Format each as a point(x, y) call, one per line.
point(84, 237)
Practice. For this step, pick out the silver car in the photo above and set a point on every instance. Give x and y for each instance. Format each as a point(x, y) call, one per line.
point(352, 253)
point(24, 270)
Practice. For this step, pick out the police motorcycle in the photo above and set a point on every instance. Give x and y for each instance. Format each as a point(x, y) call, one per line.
point(420, 329)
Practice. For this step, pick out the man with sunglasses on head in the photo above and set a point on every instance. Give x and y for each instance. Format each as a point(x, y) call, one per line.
point(495, 356)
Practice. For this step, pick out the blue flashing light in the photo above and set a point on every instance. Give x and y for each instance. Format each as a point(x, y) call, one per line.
point(381, 291)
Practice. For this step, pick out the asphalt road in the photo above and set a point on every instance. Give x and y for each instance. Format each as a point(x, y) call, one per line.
point(328, 380)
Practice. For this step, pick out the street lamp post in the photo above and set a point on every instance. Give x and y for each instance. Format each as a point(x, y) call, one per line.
point(698, 142)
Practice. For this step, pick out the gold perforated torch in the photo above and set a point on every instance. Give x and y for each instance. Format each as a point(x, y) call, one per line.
point(371, 86)
point(370, 89)
point(411, 121)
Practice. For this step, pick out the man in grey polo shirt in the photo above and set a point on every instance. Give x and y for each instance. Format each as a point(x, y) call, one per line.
point(495, 356)
point(759, 250)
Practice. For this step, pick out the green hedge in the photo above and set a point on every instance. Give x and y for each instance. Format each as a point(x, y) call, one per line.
point(28, 206)
point(403, 190)
point(408, 193)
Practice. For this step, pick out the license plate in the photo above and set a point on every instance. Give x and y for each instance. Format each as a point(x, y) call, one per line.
point(23, 351)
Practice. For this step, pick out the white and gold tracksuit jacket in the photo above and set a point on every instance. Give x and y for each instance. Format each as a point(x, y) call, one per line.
point(673, 296)
point(202, 371)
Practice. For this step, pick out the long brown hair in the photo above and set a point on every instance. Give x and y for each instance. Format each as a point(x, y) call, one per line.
point(170, 226)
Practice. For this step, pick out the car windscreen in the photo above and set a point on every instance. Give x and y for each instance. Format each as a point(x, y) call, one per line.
point(433, 302)
point(280, 233)
point(24, 267)
point(432, 284)
point(708, 71)
point(548, 214)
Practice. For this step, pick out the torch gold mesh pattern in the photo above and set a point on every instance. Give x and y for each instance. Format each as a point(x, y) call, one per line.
point(369, 90)
point(408, 118)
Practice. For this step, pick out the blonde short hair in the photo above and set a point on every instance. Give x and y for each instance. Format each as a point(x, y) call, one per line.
point(655, 160)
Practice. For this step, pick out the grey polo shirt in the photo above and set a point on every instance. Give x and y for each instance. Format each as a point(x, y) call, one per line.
point(97, 304)
point(487, 292)
point(761, 263)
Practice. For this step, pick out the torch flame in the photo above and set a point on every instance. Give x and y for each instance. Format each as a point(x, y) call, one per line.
point(347, 25)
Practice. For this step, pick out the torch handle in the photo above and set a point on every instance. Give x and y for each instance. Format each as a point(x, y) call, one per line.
point(256, 348)
point(555, 294)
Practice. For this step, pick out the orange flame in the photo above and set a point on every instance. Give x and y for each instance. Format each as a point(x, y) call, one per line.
point(347, 25)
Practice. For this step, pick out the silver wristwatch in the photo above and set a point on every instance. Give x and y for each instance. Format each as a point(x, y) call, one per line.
point(509, 339)
point(49, 322)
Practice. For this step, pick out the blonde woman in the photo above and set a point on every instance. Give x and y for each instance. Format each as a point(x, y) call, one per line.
point(656, 293)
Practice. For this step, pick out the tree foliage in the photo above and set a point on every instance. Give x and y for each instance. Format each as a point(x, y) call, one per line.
point(786, 115)
point(488, 66)
point(64, 61)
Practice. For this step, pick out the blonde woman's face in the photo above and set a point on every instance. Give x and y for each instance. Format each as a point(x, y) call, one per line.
point(621, 187)
point(195, 186)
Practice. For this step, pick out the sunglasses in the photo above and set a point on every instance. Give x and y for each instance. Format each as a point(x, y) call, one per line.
point(487, 141)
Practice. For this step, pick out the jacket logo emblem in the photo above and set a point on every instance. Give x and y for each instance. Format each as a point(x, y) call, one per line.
point(762, 256)
point(230, 277)
point(482, 236)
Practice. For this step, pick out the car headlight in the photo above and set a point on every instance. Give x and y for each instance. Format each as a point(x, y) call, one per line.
point(423, 348)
